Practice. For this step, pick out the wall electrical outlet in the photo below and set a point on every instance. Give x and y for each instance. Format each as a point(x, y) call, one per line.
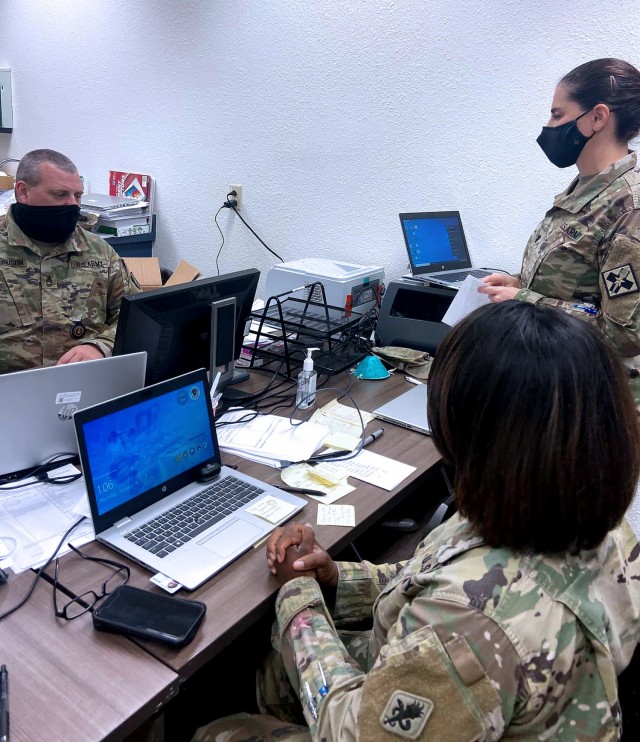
point(238, 190)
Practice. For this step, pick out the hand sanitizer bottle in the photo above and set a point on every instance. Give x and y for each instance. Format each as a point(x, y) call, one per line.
point(306, 394)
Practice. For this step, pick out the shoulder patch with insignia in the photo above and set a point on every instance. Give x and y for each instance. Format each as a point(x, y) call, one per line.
point(620, 281)
point(406, 714)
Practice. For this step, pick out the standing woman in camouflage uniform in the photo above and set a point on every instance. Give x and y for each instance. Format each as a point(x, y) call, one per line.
point(513, 618)
point(584, 257)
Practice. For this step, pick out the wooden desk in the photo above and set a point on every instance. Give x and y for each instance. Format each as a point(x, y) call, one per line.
point(244, 591)
point(68, 682)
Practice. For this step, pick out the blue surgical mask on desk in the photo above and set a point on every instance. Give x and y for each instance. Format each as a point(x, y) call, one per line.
point(54, 224)
point(563, 144)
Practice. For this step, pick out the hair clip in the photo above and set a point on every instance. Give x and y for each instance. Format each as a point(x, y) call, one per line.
point(614, 85)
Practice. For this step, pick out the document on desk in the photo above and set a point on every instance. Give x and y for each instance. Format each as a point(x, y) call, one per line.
point(305, 477)
point(340, 419)
point(268, 439)
point(33, 519)
point(375, 469)
point(336, 515)
point(465, 301)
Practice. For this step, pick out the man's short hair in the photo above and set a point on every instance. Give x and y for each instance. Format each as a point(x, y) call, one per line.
point(29, 167)
point(535, 413)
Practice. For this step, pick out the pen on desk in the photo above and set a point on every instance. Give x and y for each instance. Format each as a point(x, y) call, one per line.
point(302, 490)
point(411, 380)
point(371, 438)
point(4, 704)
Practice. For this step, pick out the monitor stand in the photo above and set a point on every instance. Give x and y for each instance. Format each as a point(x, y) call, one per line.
point(235, 397)
point(238, 377)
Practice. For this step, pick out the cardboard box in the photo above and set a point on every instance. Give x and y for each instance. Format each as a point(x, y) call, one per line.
point(183, 274)
point(146, 270)
point(7, 183)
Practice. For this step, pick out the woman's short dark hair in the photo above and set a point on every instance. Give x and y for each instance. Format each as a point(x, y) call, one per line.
point(535, 414)
point(612, 82)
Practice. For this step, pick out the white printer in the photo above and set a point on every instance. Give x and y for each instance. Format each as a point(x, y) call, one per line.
point(346, 285)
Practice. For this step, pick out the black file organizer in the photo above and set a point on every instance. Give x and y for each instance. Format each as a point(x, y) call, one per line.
point(288, 326)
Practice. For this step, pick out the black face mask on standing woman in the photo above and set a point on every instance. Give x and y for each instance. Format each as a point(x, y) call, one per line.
point(54, 224)
point(563, 144)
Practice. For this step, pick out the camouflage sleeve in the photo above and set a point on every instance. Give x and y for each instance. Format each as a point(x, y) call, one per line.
point(618, 316)
point(426, 683)
point(120, 282)
point(359, 584)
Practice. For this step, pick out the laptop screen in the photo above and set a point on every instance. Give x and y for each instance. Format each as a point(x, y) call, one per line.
point(435, 241)
point(145, 444)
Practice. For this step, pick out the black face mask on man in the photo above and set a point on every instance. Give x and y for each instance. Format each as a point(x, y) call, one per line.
point(54, 224)
point(563, 144)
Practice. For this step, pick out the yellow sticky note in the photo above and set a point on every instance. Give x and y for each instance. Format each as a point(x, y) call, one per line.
point(327, 474)
point(341, 441)
point(271, 508)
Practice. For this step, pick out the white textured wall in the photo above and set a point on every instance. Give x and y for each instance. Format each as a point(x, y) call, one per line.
point(334, 115)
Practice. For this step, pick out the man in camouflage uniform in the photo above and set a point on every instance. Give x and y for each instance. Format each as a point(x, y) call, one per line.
point(60, 286)
point(584, 258)
point(468, 643)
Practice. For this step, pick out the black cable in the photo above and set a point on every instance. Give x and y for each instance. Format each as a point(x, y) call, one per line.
point(40, 473)
point(215, 219)
point(232, 206)
point(333, 455)
point(40, 571)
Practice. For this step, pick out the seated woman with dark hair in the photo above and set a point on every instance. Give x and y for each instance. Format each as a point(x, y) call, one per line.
point(512, 619)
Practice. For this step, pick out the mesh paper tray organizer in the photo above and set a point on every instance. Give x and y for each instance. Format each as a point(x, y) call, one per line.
point(288, 326)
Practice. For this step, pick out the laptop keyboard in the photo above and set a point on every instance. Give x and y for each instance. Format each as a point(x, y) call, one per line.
point(190, 518)
point(461, 275)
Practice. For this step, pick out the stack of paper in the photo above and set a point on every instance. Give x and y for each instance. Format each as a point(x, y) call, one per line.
point(33, 519)
point(268, 439)
point(118, 215)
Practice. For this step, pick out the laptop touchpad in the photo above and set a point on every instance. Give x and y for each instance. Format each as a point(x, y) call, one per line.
point(232, 538)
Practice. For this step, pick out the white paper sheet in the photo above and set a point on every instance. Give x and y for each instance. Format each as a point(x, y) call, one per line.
point(465, 301)
point(336, 515)
point(375, 469)
point(34, 518)
point(269, 437)
point(340, 418)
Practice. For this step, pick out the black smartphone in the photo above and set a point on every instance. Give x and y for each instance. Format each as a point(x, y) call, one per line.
point(141, 613)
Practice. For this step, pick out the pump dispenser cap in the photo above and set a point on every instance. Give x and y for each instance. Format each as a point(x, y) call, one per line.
point(308, 361)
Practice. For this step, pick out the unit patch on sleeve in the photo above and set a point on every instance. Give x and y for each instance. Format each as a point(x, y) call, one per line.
point(406, 714)
point(620, 281)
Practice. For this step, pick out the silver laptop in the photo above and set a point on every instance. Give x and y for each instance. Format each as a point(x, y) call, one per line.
point(437, 248)
point(103, 202)
point(38, 405)
point(156, 487)
point(409, 410)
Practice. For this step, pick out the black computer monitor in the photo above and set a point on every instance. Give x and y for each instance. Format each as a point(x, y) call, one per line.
point(173, 324)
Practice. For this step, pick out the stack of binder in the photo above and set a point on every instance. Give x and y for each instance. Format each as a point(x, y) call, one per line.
point(118, 216)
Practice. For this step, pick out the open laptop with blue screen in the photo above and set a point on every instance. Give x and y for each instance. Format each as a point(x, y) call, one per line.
point(145, 456)
point(437, 248)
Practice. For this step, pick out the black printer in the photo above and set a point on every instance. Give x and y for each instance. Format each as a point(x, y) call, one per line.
point(411, 314)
